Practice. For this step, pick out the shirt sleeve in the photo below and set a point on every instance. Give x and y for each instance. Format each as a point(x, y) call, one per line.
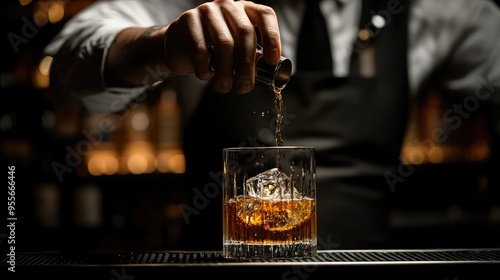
point(455, 43)
point(455, 47)
point(80, 49)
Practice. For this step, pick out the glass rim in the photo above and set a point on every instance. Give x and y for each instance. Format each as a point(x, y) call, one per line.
point(297, 147)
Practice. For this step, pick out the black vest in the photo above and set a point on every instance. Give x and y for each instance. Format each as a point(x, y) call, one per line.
point(356, 124)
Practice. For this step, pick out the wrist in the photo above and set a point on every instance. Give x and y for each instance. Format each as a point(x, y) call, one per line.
point(135, 58)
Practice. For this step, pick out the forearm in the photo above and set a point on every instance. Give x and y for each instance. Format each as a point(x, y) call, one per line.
point(130, 45)
point(136, 58)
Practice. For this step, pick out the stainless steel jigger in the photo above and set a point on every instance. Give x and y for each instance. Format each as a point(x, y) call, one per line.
point(267, 75)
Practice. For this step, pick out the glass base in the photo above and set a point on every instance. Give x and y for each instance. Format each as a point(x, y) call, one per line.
point(243, 251)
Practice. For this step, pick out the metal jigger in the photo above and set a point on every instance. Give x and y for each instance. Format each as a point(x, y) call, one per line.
point(267, 75)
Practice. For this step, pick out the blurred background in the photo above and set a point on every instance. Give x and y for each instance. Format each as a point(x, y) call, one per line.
point(115, 182)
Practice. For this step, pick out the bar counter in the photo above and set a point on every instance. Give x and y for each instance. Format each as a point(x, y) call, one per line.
point(449, 264)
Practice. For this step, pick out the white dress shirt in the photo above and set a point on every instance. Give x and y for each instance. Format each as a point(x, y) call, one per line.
point(458, 37)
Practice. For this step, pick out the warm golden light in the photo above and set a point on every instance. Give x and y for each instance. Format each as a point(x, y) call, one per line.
point(171, 161)
point(364, 34)
point(137, 164)
point(162, 160)
point(95, 166)
point(436, 154)
point(44, 65)
point(40, 17)
point(139, 157)
point(24, 2)
point(122, 169)
point(102, 163)
point(413, 155)
point(56, 12)
point(177, 164)
point(40, 80)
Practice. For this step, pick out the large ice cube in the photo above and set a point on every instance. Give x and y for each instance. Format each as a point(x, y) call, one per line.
point(271, 185)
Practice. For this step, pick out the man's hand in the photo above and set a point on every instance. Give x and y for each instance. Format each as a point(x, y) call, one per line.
point(229, 27)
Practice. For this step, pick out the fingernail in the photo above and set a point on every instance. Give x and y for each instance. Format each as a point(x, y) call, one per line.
point(243, 87)
point(222, 86)
point(206, 76)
